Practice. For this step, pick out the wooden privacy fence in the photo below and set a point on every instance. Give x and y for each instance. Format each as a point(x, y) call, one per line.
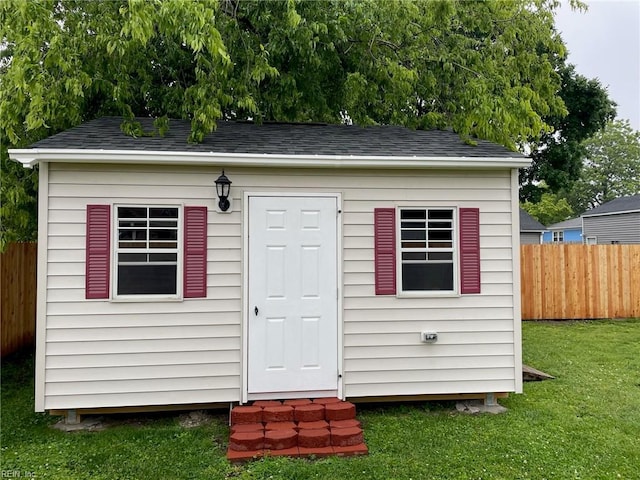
point(18, 296)
point(580, 281)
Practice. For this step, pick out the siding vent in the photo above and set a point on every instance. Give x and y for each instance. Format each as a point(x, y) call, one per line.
point(469, 250)
point(98, 251)
point(195, 252)
point(385, 250)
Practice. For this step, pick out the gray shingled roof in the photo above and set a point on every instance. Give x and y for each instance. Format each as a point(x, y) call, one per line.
point(277, 138)
point(622, 204)
point(529, 224)
point(571, 223)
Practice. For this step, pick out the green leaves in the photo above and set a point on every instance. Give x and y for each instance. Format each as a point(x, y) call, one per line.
point(487, 69)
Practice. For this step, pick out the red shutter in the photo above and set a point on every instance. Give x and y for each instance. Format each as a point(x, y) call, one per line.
point(195, 252)
point(98, 251)
point(385, 250)
point(469, 250)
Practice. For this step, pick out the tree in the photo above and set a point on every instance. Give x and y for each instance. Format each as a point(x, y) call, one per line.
point(611, 167)
point(486, 69)
point(557, 156)
point(550, 209)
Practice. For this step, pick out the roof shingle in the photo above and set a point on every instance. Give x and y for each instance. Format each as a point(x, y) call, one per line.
point(277, 139)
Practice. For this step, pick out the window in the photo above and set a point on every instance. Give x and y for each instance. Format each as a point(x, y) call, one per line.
point(158, 251)
point(435, 249)
point(558, 236)
point(147, 250)
point(426, 249)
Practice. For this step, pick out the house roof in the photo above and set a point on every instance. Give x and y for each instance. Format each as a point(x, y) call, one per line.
point(100, 137)
point(619, 205)
point(566, 224)
point(529, 224)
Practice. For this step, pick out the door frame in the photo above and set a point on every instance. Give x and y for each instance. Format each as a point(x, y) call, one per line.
point(244, 397)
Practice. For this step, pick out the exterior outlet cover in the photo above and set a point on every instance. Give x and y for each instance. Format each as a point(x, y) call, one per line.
point(429, 337)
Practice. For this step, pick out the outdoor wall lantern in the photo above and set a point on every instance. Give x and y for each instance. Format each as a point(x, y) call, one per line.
point(223, 186)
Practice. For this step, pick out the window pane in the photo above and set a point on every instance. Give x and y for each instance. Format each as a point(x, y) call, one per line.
point(440, 235)
point(440, 214)
point(414, 234)
point(132, 212)
point(163, 223)
point(163, 257)
point(427, 276)
point(414, 256)
point(146, 279)
point(132, 234)
point(133, 244)
point(439, 224)
point(414, 245)
point(163, 213)
point(413, 224)
point(440, 245)
point(161, 244)
point(413, 214)
point(435, 256)
point(132, 257)
point(133, 223)
point(163, 234)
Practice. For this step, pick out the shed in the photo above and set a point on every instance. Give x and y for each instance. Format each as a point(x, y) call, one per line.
point(531, 230)
point(567, 231)
point(617, 221)
point(363, 263)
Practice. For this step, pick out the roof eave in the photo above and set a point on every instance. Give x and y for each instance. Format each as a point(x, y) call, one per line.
point(635, 210)
point(32, 156)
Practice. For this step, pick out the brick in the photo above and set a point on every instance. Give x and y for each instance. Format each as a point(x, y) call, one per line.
point(247, 427)
point(327, 400)
point(298, 401)
point(280, 439)
point(346, 437)
point(309, 413)
point(360, 449)
point(316, 451)
point(314, 438)
point(286, 452)
point(344, 423)
point(281, 426)
point(236, 456)
point(281, 413)
point(340, 411)
point(267, 403)
point(246, 441)
point(246, 414)
point(313, 425)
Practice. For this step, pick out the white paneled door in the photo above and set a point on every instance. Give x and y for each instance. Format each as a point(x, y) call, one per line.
point(293, 301)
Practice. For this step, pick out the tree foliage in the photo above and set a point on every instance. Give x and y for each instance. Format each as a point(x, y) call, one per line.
point(611, 167)
point(557, 156)
point(484, 68)
point(550, 209)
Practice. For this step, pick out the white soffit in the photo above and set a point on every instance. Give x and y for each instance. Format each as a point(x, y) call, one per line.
point(32, 156)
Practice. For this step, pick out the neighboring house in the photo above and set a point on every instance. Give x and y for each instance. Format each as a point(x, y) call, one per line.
point(617, 221)
point(568, 231)
point(351, 262)
point(530, 229)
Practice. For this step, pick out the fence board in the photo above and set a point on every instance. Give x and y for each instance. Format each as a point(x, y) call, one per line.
point(580, 281)
point(17, 296)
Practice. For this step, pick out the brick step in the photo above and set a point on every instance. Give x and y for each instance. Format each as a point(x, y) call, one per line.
point(300, 427)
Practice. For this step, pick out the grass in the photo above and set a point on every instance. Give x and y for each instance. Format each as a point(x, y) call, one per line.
point(583, 425)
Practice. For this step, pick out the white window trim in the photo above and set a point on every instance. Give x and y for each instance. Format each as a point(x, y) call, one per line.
point(178, 297)
point(591, 240)
point(456, 253)
point(556, 236)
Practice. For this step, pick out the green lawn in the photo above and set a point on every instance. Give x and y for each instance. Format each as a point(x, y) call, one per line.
point(585, 424)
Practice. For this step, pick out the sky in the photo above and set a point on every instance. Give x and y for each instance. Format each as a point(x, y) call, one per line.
point(604, 43)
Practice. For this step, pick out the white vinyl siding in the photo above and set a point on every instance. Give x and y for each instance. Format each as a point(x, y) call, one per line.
point(109, 354)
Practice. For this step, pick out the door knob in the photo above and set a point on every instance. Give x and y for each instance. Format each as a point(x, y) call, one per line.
point(256, 310)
